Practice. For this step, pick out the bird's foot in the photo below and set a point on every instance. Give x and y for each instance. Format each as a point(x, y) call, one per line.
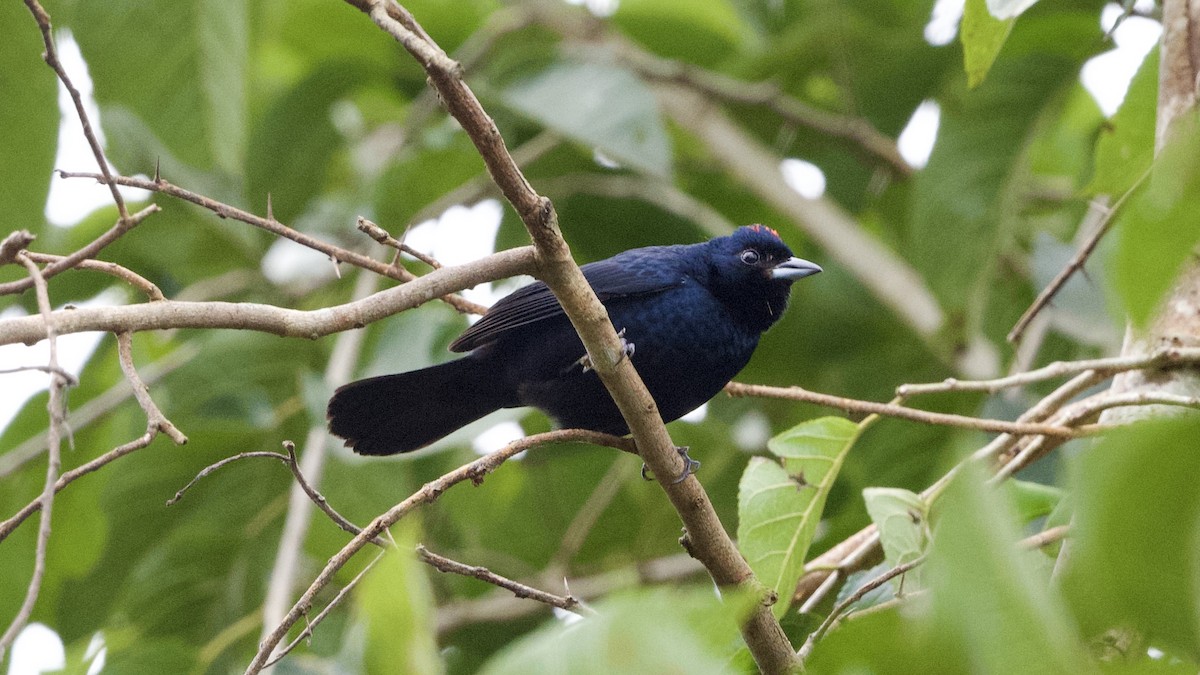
point(627, 349)
point(690, 466)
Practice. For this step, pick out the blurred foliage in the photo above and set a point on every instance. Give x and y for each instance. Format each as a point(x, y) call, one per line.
point(307, 103)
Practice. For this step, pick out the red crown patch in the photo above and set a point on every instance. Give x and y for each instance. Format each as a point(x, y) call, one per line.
point(764, 228)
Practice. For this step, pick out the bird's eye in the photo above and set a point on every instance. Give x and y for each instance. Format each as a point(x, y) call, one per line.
point(750, 256)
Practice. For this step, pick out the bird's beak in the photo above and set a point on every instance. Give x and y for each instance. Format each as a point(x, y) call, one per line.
point(794, 268)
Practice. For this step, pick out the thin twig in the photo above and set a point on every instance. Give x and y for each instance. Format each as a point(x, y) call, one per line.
point(57, 411)
point(96, 408)
point(854, 597)
point(1106, 366)
point(473, 471)
point(123, 225)
point(1107, 216)
point(13, 244)
point(320, 616)
point(217, 466)
point(381, 235)
point(133, 278)
point(442, 564)
point(154, 416)
point(502, 606)
point(898, 411)
point(289, 554)
point(51, 58)
point(71, 381)
point(7, 527)
point(337, 253)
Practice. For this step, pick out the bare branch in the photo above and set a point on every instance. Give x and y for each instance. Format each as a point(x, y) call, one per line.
point(336, 253)
point(1107, 367)
point(13, 244)
point(442, 564)
point(133, 278)
point(316, 620)
point(154, 416)
point(58, 413)
point(270, 319)
point(51, 58)
point(1103, 215)
point(854, 597)
point(96, 408)
point(891, 410)
point(123, 225)
point(473, 471)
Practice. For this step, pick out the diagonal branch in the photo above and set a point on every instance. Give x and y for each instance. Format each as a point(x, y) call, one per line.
point(706, 536)
point(223, 210)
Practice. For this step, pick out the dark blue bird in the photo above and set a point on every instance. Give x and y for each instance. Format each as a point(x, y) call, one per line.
point(691, 317)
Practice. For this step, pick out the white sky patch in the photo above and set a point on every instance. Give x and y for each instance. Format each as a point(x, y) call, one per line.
point(74, 350)
point(37, 649)
point(1107, 76)
point(943, 22)
point(97, 653)
point(460, 235)
point(72, 199)
point(804, 177)
point(696, 416)
point(599, 8)
point(916, 141)
point(497, 437)
point(751, 432)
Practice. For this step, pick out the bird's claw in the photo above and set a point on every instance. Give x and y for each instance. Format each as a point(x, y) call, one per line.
point(627, 349)
point(690, 466)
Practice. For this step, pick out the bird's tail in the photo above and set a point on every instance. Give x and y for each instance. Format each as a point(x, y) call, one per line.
point(403, 412)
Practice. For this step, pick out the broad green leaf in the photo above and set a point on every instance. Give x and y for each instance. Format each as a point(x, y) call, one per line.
point(190, 81)
point(1159, 227)
point(667, 630)
point(1033, 500)
point(1125, 149)
point(702, 32)
point(1133, 560)
point(291, 146)
point(28, 104)
point(958, 218)
point(982, 36)
point(396, 604)
point(903, 521)
point(601, 105)
point(780, 503)
point(991, 595)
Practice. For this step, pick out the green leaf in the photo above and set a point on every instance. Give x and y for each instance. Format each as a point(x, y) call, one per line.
point(903, 521)
point(396, 604)
point(1134, 553)
point(982, 37)
point(29, 104)
point(291, 147)
point(190, 66)
point(1159, 228)
point(1033, 500)
point(661, 631)
point(1125, 149)
point(601, 105)
point(780, 504)
point(702, 32)
point(991, 595)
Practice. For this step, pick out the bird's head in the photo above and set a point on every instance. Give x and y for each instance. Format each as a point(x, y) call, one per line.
point(752, 271)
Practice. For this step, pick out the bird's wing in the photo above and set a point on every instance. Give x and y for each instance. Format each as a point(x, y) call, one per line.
point(615, 277)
